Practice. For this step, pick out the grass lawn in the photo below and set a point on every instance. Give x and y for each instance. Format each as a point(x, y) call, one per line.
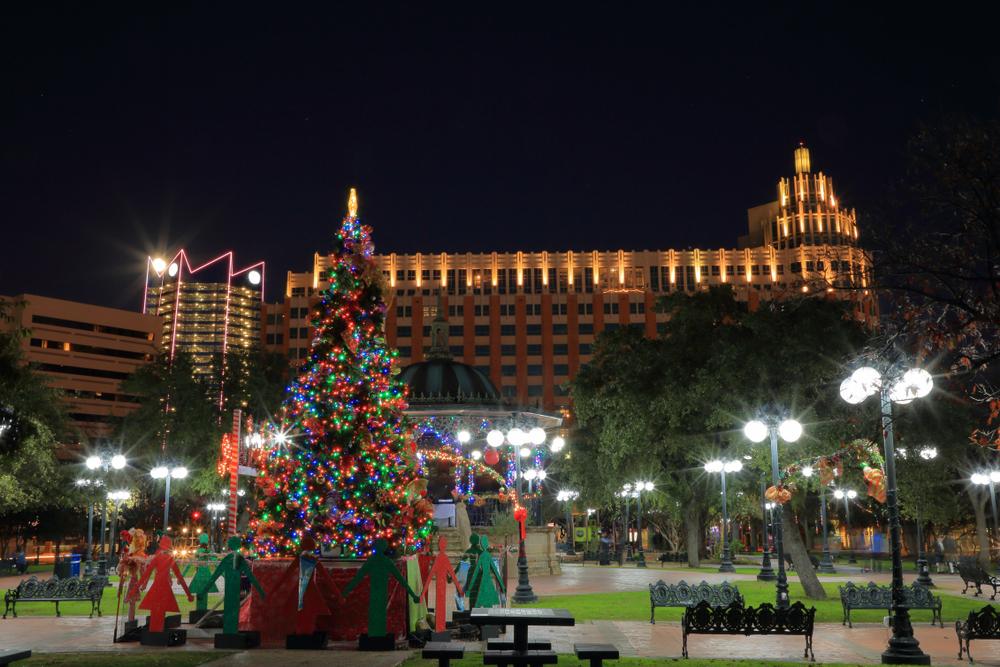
point(634, 606)
point(740, 569)
point(108, 603)
point(134, 659)
point(571, 661)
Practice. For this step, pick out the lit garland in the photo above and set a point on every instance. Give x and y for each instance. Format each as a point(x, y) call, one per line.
point(460, 461)
point(351, 476)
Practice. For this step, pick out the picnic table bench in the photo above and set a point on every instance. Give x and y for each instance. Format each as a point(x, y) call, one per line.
point(602, 557)
point(874, 596)
point(683, 594)
point(54, 589)
point(10, 565)
point(704, 619)
point(7, 657)
point(443, 652)
point(596, 653)
point(976, 576)
point(982, 624)
point(521, 619)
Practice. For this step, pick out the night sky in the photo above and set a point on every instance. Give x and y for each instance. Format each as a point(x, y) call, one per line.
point(140, 128)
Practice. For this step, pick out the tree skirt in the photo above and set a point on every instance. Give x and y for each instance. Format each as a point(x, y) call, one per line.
point(274, 616)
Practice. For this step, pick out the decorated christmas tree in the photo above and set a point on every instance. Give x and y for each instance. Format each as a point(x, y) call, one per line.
point(347, 474)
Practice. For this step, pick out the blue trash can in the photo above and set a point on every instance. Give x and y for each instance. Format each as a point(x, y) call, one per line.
point(74, 568)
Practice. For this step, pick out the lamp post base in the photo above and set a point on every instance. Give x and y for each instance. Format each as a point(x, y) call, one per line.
point(727, 565)
point(523, 593)
point(826, 567)
point(641, 560)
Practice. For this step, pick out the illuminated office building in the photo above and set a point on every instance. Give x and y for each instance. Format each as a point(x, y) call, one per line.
point(208, 309)
point(528, 320)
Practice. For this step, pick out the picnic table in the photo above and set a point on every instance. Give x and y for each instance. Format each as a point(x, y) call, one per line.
point(521, 619)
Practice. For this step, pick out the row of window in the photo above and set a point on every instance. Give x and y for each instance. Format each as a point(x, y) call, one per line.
point(558, 349)
point(531, 309)
point(89, 349)
point(558, 328)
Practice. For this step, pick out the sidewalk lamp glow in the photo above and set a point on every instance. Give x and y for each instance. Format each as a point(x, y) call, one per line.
point(156, 473)
point(866, 381)
point(790, 430)
point(159, 265)
point(494, 438)
point(755, 431)
point(557, 444)
point(529, 474)
point(807, 471)
point(840, 493)
point(525, 452)
point(464, 436)
point(536, 435)
point(928, 453)
point(476, 455)
point(254, 277)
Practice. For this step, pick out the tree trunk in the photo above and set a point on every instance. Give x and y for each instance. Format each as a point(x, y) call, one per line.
point(693, 529)
point(810, 536)
point(979, 496)
point(753, 536)
point(793, 546)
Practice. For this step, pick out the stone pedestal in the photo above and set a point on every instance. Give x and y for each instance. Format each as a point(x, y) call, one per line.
point(540, 550)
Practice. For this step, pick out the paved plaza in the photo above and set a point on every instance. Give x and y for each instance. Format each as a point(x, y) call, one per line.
point(832, 642)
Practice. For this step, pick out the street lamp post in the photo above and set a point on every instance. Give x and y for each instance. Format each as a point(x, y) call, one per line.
point(104, 458)
point(826, 567)
point(88, 570)
point(166, 472)
point(771, 424)
point(766, 571)
point(733, 467)
point(628, 530)
point(215, 509)
point(640, 560)
point(848, 495)
point(118, 497)
point(924, 578)
point(568, 497)
point(893, 385)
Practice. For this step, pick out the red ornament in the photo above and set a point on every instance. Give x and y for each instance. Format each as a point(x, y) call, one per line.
point(491, 457)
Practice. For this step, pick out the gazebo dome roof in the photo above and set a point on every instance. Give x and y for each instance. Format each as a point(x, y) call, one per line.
point(448, 379)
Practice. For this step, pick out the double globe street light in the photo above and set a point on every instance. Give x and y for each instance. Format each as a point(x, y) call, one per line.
point(771, 422)
point(724, 467)
point(105, 460)
point(893, 384)
point(168, 471)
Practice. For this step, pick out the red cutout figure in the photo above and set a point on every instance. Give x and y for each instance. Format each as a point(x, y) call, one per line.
point(160, 598)
point(441, 568)
point(313, 604)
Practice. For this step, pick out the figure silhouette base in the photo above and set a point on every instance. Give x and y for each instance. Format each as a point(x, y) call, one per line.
point(131, 633)
point(444, 636)
point(197, 615)
point(384, 643)
point(243, 640)
point(314, 642)
point(461, 616)
point(172, 637)
point(172, 621)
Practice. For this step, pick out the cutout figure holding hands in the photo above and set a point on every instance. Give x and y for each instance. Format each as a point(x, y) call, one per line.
point(160, 598)
point(202, 575)
point(442, 569)
point(309, 602)
point(231, 567)
point(379, 568)
point(482, 577)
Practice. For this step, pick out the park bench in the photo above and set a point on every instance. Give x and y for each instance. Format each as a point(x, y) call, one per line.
point(704, 619)
point(81, 589)
point(982, 624)
point(975, 576)
point(672, 557)
point(443, 652)
point(508, 645)
point(685, 595)
point(596, 653)
point(602, 557)
point(874, 596)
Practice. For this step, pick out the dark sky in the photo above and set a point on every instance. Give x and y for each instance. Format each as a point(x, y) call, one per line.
point(470, 127)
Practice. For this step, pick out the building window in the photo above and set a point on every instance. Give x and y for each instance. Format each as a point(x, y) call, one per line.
point(611, 326)
point(586, 329)
point(661, 327)
point(508, 370)
point(588, 280)
point(293, 334)
point(508, 350)
point(501, 281)
point(534, 369)
point(430, 311)
point(534, 330)
point(585, 308)
point(453, 330)
point(563, 280)
point(485, 370)
point(534, 350)
point(512, 281)
point(482, 350)
point(456, 311)
point(560, 370)
point(400, 274)
point(504, 312)
point(425, 274)
point(559, 329)
point(715, 269)
point(584, 348)
point(730, 270)
point(508, 330)
point(611, 308)
point(483, 311)
point(637, 308)
point(411, 275)
point(560, 349)
point(270, 318)
point(508, 391)
point(298, 291)
point(794, 267)
point(270, 339)
point(654, 279)
point(810, 266)
point(426, 331)
point(437, 275)
point(553, 280)
point(741, 270)
point(482, 330)
point(279, 339)
point(457, 350)
point(451, 281)
point(559, 391)
point(819, 265)
point(781, 269)
point(755, 269)
point(537, 309)
point(534, 390)
point(404, 332)
point(538, 281)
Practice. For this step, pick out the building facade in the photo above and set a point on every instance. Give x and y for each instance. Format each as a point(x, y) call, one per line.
point(207, 309)
point(87, 351)
point(528, 320)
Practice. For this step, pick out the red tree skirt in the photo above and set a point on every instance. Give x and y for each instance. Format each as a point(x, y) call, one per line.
point(274, 616)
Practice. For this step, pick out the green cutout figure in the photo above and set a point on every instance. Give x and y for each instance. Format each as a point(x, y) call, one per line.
point(379, 567)
point(481, 578)
point(231, 567)
point(202, 574)
point(472, 555)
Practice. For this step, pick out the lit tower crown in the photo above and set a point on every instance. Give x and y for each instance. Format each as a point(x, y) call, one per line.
point(352, 204)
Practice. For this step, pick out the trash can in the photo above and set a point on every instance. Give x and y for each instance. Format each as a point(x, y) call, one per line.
point(74, 563)
point(62, 569)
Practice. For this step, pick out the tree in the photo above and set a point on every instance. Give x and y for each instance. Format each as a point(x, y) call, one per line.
point(668, 404)
point(254, 381)
point(938, 256)
point(350, 475)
